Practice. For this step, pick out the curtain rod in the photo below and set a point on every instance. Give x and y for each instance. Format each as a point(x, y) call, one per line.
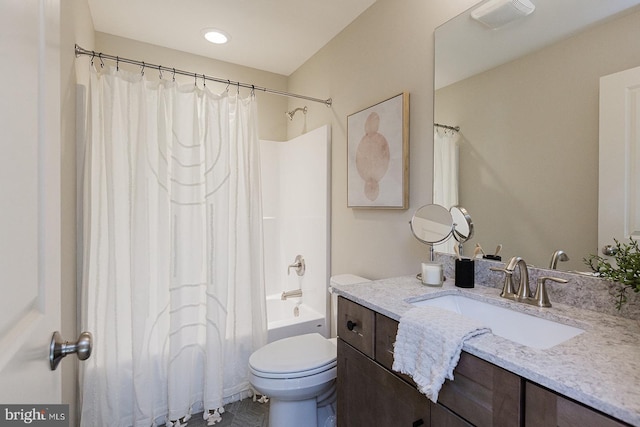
point(454, 128)
point(80, 51)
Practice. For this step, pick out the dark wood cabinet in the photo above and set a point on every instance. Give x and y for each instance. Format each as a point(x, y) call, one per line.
point(545, 408)
point(386, 331)
point(483, 394)
point(442, 417)
point(356, 326)
point(370, 393)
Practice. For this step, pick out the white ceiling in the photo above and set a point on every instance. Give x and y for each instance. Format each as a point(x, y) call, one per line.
point(271, 35)
point(465, 47)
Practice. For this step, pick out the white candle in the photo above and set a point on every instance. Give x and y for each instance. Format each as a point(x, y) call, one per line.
point(431, 273)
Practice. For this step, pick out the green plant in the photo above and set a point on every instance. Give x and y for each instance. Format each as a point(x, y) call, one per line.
point(624, 273)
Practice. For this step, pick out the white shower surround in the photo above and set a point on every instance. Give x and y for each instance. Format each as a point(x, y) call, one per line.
point(296, 209)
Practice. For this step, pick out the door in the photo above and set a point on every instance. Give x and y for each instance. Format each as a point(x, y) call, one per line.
point(619, 169)
point(29, 199)
point(369, 395)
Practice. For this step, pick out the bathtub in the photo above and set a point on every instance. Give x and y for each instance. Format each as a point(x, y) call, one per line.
point(283, 321)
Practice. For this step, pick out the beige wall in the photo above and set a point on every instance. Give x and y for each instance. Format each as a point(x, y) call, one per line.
point(271, 108)
point(529, 156)
point(387, 50)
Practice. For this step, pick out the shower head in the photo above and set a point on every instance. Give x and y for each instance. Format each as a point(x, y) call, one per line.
point(292, 113)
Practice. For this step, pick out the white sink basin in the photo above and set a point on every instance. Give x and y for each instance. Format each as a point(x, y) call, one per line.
point(515, 326)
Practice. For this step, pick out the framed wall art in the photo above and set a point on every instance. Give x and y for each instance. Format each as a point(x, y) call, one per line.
point(378, 155)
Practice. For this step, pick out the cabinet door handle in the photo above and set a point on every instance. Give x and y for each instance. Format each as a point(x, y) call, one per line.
point(418, 423)
point(390, 343)
point(351, 325)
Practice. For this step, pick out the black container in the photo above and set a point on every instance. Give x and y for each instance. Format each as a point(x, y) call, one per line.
point(465, 273)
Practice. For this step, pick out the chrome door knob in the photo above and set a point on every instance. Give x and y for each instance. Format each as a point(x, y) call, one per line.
point(609, 250)
point(59, 348)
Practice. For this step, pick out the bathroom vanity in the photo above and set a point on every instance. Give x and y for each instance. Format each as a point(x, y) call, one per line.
point(496, 382)
point(369, 393)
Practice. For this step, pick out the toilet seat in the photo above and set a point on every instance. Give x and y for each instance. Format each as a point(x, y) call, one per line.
point(294, 357)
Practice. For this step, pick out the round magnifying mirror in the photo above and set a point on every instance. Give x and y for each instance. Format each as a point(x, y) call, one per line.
point(462, 224)
point(432, 224)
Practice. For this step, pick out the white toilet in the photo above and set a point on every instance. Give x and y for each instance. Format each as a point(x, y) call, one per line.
point(294, 372)
point(298, 374)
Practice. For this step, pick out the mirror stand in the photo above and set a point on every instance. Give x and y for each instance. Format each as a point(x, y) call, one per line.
point(462, 226)
point(432, 224)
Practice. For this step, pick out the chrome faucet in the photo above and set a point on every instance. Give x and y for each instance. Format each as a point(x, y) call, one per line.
point(558, 255)
point(291, 294)
point(523, 292)
point(509, 289)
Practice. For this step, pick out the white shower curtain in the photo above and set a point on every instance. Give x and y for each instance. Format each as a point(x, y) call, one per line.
point(173, 285)
point(445, 174)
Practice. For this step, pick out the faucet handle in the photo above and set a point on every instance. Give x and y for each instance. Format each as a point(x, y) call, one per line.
point(541, 297)
point(298, 265)
point(507, 287)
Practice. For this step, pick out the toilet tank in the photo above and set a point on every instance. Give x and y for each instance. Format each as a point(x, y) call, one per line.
point(340, 279)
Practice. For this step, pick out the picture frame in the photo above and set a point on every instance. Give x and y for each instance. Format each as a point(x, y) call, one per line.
point(378, 155)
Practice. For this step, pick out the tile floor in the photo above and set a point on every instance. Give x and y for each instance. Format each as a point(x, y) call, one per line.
point(244, 413)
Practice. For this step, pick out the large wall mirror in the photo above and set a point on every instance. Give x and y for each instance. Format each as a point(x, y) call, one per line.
point(525, 97)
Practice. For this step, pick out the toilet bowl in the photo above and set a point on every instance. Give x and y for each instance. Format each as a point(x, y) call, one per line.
point(298, 375)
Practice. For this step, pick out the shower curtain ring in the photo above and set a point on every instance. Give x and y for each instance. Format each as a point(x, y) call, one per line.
point(142, 70)
point(117, 63)
point(204, 80)
point(174, 75)
point(228, 84)
point(101, 61)
point(160, 71)
point(253, 91)
point(93, 55)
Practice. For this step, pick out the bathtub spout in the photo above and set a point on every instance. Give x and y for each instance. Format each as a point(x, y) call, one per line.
point(288, 294)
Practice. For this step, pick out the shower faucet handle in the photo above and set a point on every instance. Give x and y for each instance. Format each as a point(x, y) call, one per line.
point(298, 265)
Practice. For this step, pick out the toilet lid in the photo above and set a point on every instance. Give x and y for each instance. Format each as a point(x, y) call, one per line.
point(299, 354)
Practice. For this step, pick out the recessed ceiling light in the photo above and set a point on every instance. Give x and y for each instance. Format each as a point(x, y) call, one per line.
point(215, 36)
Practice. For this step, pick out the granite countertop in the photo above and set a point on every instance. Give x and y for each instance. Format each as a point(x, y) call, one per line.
point(599, 368)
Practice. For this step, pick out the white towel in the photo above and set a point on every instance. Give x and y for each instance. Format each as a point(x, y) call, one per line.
point(428, 346)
